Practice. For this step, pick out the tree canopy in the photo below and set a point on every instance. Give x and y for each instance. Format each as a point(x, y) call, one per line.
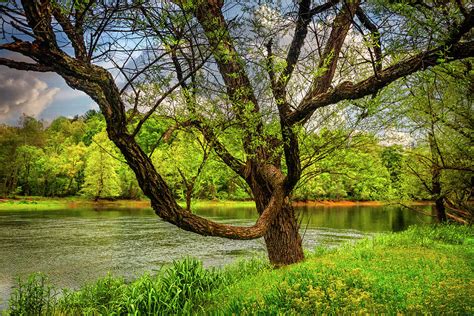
point(264, 71)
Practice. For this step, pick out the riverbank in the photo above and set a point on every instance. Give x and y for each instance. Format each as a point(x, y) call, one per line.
point(42, 203)
point(422, 270)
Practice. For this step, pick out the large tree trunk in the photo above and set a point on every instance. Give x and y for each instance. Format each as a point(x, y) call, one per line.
point(283, 241)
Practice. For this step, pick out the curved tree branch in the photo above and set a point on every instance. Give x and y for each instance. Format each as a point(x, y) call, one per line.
point(339, 31)
point(100, 85)
point(194, 223)
point(38, 14)
point(25, 66)
point(230, 64)
point(305, 13)
point(75, 35)
point(328, 63)
point(349, 91)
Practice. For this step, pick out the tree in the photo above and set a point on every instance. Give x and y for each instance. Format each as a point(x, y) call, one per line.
point(72, 164)
point(394, 160)
point(243, 68)
point(65, 153)
point(27, 157)
point(440, 111)
point(185, 157)
point(20, 155)
point(101, 179)
point(353, 171)
point(63, 128)
point(9, 142)
point(128, 183)
point(31, 131)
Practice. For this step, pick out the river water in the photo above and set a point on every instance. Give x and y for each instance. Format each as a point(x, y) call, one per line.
point(75, 246)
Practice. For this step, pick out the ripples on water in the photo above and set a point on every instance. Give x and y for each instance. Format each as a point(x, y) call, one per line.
point(79, 245)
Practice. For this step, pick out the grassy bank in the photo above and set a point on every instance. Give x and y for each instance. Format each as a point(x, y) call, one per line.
point(29, 204)
point(422, 270)
point(45, 204)
point(42, 203)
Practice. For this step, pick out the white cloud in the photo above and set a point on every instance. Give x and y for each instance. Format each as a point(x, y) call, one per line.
point(23, 92)
point(68, 95)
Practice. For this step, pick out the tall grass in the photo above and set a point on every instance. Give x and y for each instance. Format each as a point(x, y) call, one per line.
point(180, 287)
point(33, 296)
point(184, 288)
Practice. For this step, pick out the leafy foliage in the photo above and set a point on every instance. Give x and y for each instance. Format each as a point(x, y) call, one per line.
point(74, 155)
point(34, 296)
point(101, 178)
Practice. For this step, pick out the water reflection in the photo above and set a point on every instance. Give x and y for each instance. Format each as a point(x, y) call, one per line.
point(364, 218)
point(78, 245)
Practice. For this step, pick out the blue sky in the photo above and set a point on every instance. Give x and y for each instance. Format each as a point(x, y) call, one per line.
point(41, 95)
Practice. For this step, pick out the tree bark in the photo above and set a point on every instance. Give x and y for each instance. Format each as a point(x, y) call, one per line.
point(440, 210)
point(189, 193)
point(436, 187)
point(283, 240)
point(437, 194)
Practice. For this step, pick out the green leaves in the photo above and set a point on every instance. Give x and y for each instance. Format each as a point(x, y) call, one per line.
point(100, 175)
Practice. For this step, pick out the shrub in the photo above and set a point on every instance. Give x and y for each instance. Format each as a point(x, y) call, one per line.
point(180, 288)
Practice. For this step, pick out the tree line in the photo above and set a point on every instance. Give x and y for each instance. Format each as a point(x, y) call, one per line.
point(74, 157)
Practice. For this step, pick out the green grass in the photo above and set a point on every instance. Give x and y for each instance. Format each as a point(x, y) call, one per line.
point(422, 270)
point(184, 287)
point(225, 203)
point(32, 203)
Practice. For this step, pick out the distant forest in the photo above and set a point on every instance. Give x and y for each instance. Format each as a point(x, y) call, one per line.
point(72, 157)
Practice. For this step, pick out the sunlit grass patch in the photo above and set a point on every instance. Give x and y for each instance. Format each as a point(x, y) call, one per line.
point(219, 203)
point(422, 270)
point(45, 204)
point(32, 204)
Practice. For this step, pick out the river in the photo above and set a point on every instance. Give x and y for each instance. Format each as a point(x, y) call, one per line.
point(75, 246)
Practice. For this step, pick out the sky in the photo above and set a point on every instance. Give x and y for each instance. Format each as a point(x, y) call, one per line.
point(41, 95)
point(44, 96)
